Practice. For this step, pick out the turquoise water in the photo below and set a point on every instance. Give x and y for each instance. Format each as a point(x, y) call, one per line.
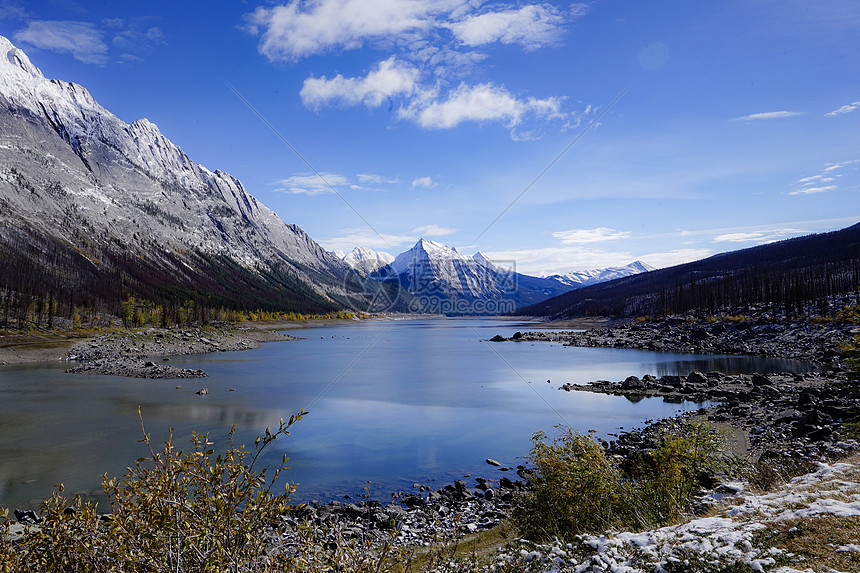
point(391, 403)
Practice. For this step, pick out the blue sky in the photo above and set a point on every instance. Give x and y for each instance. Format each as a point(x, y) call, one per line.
point(491, 125)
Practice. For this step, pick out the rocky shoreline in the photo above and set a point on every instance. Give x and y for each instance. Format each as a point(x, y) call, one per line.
point(141, 354)
point(808, 341)
point(421, 518)
point(799, 415)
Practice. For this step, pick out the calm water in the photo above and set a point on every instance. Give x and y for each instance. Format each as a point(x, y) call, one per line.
point(391, 403)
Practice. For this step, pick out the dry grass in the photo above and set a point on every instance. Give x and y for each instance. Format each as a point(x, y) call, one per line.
point(471, 552)
point(813, 542)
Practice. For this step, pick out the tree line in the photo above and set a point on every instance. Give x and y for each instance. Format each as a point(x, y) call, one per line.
point(803, 276)
point(44, 280)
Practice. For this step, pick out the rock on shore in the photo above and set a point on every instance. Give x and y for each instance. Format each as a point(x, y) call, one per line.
point(793, 415)
point(139, 354)
point(799, 340)
point(786, 416)
point(420, 519)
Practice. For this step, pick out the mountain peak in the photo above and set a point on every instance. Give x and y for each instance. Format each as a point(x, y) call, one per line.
point(18, 58)
point(431, 246)
point(147, 211)
point(436, 250)
point(366, 260)
point(641, 267)
point(482, 259)
point(144, 124)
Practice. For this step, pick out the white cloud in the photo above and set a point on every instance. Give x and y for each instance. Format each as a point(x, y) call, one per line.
point(423, 59)
point(348, 239)
point(390, 78)
point(483, 102)
point(675, 257)
point(533, 26)
point(816, 183)
point(813, 190)
point(80, 39)
point(816, 179)
point(138, 40)
point(847, 108)
point(370, 178)
point(300, 29)
point(9, 9)
point(760, 237)
point(835, 166)
point(561, 260)
point(586, 236)
point(423, 182)
point(311, 184)
point(768, 115)
point(433, 231)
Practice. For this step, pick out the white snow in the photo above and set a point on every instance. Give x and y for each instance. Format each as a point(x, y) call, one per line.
point(594, 276)
point(833, 489)
point(366, 260)
point(136, 165)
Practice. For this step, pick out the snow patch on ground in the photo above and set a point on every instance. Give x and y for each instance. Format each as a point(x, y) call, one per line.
point(721, 539)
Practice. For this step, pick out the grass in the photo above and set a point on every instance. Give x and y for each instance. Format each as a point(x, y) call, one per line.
point(474, 549)
point(813, 542)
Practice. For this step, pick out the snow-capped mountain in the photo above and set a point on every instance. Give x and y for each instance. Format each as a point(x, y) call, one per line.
point(122, 201)
point(578, 279)
point(365, 260)
point(441, 279)
point(431, 267)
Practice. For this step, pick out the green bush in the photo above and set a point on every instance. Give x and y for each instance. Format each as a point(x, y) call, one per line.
point(173, 511)
point(578, 488)
point(669, 476)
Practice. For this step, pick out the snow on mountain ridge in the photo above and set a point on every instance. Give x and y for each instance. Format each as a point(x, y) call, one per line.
point(428, 251)
point(482, 259)
point(433, 272)
point(594, 276)
point(433, 267)
point(130, 184)
point(366, 260)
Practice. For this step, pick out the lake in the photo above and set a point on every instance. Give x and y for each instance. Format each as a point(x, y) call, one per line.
point(391, 403)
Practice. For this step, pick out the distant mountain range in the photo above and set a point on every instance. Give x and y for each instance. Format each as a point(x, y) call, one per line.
point(807, 275)
point(579, 279)
point(440, 279)
point(95, 209)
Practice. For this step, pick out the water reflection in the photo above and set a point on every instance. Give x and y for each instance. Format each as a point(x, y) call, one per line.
point(733, 365)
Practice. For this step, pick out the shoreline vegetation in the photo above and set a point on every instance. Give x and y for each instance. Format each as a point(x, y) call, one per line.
point(778, 425)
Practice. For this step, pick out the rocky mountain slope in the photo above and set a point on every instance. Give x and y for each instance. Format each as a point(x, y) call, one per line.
point(92, 205)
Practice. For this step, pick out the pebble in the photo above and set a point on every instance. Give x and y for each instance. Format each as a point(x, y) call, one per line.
point(126, 353)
